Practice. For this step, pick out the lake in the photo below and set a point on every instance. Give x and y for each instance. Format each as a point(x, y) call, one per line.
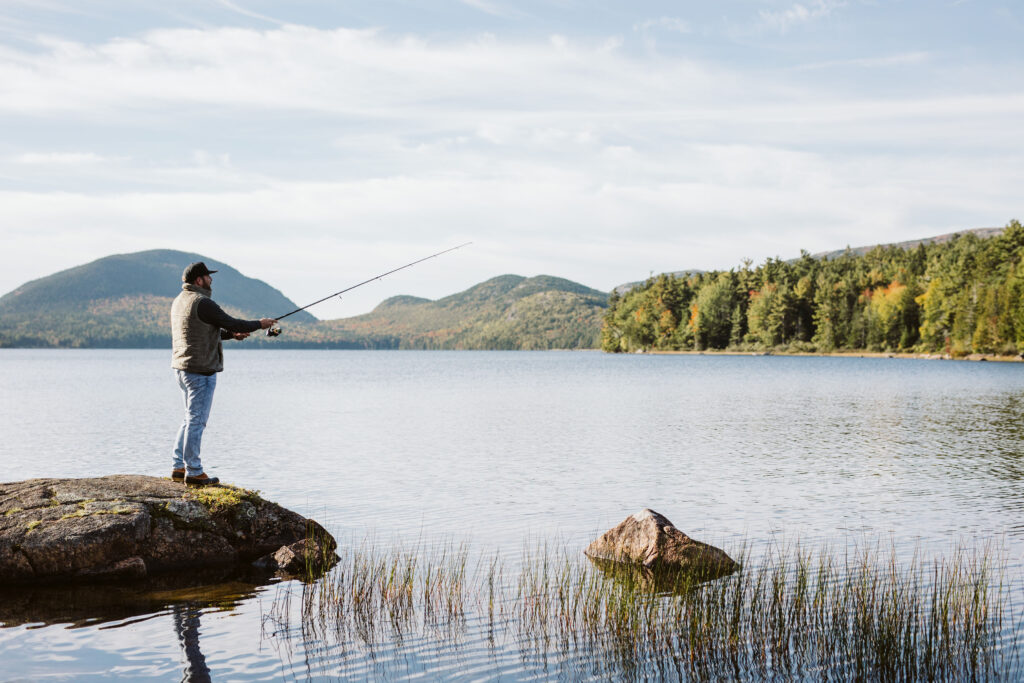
point(501, 451)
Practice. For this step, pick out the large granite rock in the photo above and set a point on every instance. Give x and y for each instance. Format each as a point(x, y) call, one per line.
point(650, 540)
point(130, 526)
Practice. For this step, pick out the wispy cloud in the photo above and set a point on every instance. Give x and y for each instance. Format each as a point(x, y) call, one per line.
point(495, 9)
point(554, 154)
point(60, 158)
point(905, 59)
point(238, 9)
point(798, 14)
point(664, 23)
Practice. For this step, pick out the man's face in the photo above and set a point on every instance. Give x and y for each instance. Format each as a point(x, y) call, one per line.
point(205, 281)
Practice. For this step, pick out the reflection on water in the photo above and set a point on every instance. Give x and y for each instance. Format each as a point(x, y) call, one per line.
point(82, 605)
point(186, 624)
point(494, 449)
point(138, 605)
point(790, 614)
point(661, 581)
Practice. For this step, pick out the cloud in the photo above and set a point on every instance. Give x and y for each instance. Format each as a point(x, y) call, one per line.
point(238, 9)
point(904, 59)
point(348, 151)
point(341, 71)
point(705, 205)
point(60, 158)
point(492, 8)
point(797, 14)
point(664, 23)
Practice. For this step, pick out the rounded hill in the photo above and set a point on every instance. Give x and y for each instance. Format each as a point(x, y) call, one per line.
point(144, 274)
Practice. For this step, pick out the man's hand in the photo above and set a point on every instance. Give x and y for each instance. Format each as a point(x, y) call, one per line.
point(241, 335)
point(266, 322)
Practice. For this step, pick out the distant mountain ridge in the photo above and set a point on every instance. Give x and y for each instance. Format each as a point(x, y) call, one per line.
point(142, 275)
point(983, 233)
point(836, 253)
point(123, 301)
point(505, 312)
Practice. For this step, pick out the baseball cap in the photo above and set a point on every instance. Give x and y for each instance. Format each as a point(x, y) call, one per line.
point(194, 270)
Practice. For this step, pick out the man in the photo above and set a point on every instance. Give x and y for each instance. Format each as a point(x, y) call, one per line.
point(197, 327)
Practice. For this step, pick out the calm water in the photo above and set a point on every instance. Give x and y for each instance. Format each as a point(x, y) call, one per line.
point(499, 449)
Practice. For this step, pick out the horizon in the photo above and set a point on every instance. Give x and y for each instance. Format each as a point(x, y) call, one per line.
point(316, 145)
point(492, 277)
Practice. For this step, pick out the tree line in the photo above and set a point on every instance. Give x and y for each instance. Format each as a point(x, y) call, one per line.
point(957, 297)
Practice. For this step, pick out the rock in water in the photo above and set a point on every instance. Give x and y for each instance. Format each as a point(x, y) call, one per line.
point(305, 558)
point(651, 540)
point(128, 526)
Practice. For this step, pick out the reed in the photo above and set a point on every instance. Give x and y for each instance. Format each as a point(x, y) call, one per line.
point(791, 614)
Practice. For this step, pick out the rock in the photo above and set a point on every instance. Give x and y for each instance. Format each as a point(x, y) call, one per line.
point(130, 568)
point(651, 540)
point(130, 526)
point(306, 557)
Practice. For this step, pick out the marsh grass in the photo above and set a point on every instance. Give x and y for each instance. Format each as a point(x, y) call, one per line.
point(790, 614)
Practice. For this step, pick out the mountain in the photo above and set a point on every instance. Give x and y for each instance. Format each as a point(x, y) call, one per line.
point(910, 244)
point(505, 312)
point(124, 301)
point(622, 289)
point(155, 273)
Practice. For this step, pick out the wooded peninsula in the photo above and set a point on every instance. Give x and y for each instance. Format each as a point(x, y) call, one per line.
point(956, 297)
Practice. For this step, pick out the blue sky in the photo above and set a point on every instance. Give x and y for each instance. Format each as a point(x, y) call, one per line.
point(314, 144)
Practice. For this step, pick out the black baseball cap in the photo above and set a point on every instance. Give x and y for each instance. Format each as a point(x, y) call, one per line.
point(194, 270)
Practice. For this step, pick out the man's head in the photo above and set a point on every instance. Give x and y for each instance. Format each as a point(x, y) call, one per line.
point(198, 274)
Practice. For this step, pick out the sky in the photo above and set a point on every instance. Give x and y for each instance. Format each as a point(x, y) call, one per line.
point(316, 144)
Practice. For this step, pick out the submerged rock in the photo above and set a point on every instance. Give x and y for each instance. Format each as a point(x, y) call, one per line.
point(130, 526)
point(652, 541)
point(308, 557)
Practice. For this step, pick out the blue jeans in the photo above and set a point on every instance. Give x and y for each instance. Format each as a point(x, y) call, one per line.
point(198, 392)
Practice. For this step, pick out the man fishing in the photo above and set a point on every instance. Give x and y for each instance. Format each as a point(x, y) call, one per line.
point(197, 327)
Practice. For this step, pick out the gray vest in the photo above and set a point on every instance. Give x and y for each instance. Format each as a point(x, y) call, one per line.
point(195, 346)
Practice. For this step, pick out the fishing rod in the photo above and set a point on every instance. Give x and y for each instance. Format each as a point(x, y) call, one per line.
point(275, 330)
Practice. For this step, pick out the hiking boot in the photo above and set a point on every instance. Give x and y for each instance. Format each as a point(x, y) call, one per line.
point(177, 475)
point(202, 480)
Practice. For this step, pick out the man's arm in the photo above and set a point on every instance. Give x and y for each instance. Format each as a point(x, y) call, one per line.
point(212, 314)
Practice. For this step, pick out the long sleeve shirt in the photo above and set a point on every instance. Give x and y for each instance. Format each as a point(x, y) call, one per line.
point(212, 314)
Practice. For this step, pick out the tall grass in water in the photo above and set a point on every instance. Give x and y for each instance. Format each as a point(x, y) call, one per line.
point(790, 614)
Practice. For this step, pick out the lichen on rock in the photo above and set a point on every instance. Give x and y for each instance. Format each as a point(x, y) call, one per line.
point(128, 526)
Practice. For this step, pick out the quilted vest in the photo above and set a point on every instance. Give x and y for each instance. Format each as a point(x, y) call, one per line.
point(195, 345)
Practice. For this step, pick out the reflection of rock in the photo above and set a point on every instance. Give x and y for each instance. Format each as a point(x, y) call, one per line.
point(82, 604)
point(652, 541)
point(650, 580)
point(129, 526)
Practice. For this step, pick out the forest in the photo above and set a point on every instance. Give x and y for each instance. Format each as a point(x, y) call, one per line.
point(958, 297)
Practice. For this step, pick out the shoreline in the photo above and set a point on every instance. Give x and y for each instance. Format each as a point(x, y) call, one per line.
point(974, 357)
